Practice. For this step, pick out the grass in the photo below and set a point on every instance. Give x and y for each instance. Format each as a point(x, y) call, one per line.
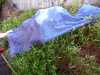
point(41, 59)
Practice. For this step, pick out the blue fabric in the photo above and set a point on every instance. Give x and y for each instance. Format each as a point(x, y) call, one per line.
point(47, 24)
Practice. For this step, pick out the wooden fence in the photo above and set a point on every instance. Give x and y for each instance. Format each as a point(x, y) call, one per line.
point(36, 4)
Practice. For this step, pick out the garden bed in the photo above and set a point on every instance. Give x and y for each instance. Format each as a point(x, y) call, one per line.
point(60, 56)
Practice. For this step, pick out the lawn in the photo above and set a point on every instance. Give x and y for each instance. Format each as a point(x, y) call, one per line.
point(60, 56)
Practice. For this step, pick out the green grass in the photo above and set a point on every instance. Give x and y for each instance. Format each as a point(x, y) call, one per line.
point(41, 59)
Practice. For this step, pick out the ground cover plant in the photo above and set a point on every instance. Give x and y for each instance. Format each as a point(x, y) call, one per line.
point(70, 54)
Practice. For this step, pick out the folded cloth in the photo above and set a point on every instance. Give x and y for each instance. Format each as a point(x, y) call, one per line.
point(47, 24)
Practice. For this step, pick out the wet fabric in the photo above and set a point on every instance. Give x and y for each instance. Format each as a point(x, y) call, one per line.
point(48, 24)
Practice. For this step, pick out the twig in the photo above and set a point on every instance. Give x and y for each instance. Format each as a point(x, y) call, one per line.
point(8, 64)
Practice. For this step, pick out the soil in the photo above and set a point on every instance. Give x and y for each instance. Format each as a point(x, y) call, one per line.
point(90, 49)
point(78, 69)
point(64, 67)
point(62, 64)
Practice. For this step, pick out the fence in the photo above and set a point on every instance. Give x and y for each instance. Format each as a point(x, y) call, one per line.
point(36, 4)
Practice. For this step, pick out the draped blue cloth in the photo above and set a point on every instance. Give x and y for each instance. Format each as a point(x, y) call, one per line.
point(48, 24)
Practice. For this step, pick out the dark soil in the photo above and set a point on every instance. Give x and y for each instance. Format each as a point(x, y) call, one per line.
point(90, 49)
point(78, 69)
point(64, 67)
point(62, 64)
